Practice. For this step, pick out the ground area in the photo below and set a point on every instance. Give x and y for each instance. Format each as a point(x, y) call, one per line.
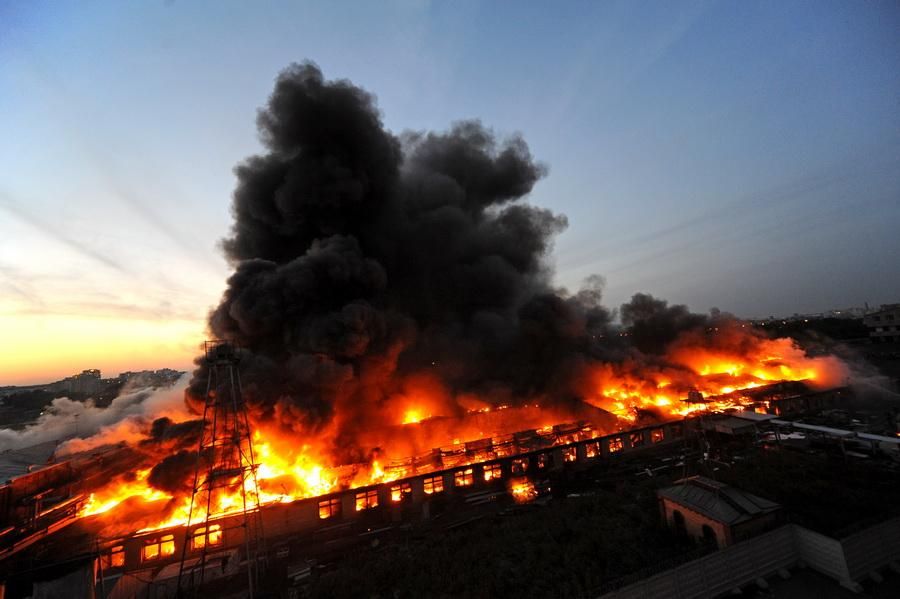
point(809, 584)
point(821, 490)
point(604, 531)
point(567, 548)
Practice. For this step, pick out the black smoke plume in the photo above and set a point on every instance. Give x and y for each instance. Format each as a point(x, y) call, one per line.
point(362, 257)
point(653, 324)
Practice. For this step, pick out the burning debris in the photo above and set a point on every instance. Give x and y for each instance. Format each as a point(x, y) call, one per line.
point(393, 305)
point(522, 490)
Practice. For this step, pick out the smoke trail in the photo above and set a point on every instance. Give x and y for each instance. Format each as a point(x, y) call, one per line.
point(127, 418)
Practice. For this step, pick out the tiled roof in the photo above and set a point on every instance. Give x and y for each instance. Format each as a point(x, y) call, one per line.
point(718, 501)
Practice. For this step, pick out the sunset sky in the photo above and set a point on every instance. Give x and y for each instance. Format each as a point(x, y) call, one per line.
point(744, 155)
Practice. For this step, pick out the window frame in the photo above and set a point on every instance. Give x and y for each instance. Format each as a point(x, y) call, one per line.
point(492, 472)
point(114, 558)
point(164, 547)
point(433, 485)
point(331, 507)
point(464, 477)
point(403, 492)
point(210, 538)
point(369, 500)
point(519, 465)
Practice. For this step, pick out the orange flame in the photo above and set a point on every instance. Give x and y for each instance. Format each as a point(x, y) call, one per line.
point(721, 372)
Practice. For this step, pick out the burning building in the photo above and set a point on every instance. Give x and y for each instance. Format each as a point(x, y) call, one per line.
point(400, 340)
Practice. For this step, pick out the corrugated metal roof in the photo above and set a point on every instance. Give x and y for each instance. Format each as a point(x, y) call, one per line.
point(837, 432)
point(881, 438)
point(834, 432)
point(755, 417)
point(729, 425)
point(16, 462)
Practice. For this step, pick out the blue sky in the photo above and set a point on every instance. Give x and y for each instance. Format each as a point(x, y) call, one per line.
point(742, 155)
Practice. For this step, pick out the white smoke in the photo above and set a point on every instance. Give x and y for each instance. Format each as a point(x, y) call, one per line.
point(79, 426)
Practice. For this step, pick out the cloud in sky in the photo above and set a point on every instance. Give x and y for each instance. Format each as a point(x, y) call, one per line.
point(697, 148)
point(53, 231)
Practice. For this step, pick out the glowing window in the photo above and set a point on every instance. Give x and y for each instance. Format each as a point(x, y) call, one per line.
point(201, 538)
point(151, 551)
point(463, 478)
point(591, 450)
point(198, 539)
point(657, 435)
point(434, 484)
point(492, 471)
point(115, 558)
point(366, 500)
point(543, 460)
point(519, 465)
point(329, 508)
point(167, 545)
point(400, 492)
point(570, 454)
point(637, 438)
point(616, 444)
point(159, 547)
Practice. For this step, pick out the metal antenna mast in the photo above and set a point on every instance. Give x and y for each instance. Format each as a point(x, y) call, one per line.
point(225, 481)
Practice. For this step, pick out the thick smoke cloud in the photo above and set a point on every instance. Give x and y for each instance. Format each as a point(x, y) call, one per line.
point(653, 324)
point(125, 419)
point(370, 266)
point(362, 258)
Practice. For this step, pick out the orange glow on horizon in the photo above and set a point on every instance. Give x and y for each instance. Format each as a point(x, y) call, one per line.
point(42, 349)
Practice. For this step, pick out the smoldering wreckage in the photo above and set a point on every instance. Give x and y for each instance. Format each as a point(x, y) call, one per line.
point(394, 347)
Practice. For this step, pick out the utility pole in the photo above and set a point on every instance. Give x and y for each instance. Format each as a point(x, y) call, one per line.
point(225, 467)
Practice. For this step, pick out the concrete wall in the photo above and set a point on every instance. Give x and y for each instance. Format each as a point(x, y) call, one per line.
point(756, 526)
point(694, 522)
point(719, 572)
point(78, 583)
point(871, 549)
point(846, 561)
point(821, 553)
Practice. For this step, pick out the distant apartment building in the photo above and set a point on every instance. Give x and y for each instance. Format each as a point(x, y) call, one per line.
point(87, 383)
point(884, 325)
point(152, 378)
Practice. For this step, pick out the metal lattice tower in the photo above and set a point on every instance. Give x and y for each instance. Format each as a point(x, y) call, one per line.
point(225, 480)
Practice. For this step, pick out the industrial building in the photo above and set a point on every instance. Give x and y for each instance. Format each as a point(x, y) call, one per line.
point(884, 324)
point(40, 522)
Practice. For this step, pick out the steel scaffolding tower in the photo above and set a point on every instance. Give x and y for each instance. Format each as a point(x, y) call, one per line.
point(225, 480)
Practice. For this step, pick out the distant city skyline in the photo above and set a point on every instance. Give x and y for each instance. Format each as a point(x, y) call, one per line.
point(742, 156)
point(187, 366)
